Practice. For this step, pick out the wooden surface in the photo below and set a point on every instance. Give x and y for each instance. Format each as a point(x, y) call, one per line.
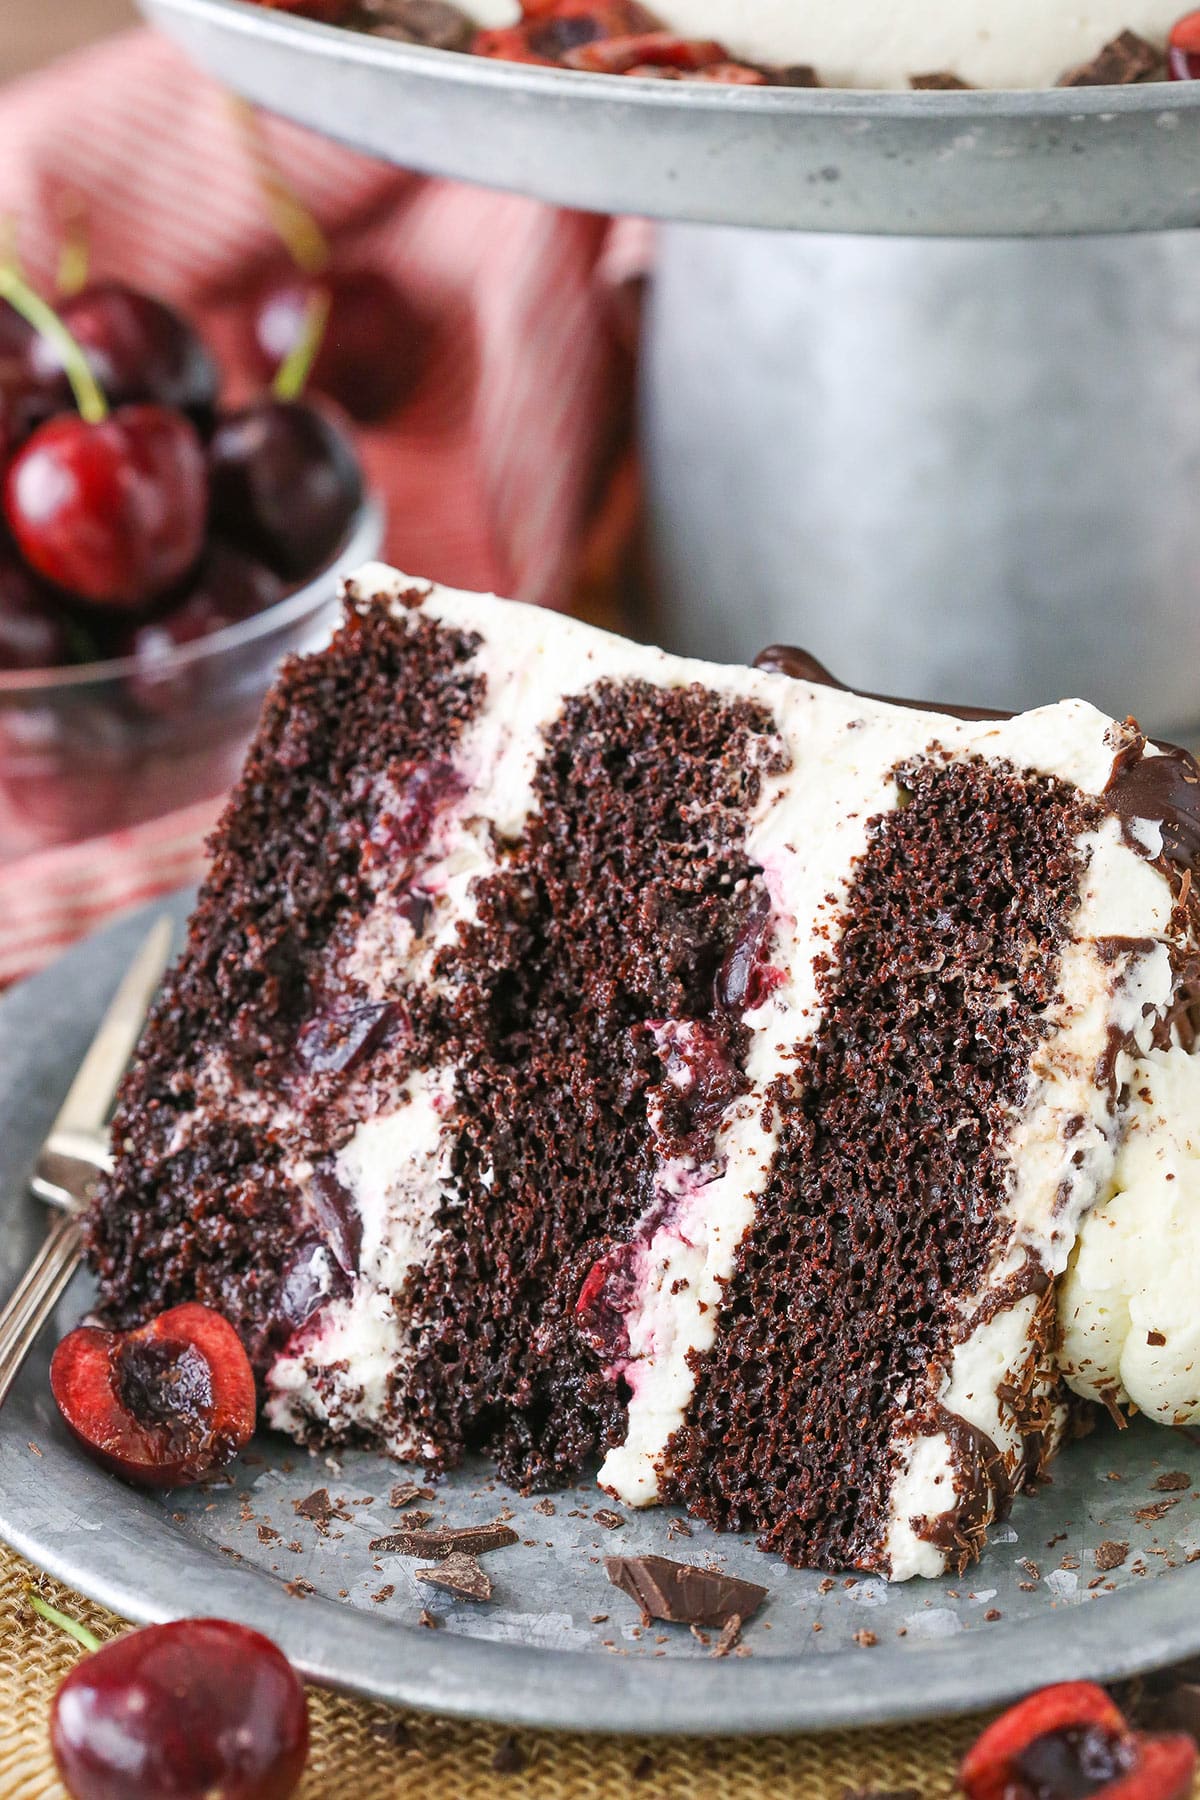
point(33, 32)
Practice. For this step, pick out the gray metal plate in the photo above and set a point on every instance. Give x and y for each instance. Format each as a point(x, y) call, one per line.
point(540, 1653)
point(957, 164)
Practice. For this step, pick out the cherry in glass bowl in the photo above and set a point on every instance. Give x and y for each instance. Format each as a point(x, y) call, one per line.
point(100, 746)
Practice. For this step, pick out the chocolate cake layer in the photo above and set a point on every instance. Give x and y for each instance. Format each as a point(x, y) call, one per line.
point(581, 1052)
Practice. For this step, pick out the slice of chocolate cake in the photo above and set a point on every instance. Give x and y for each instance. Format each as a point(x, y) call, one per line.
point(583, 1054)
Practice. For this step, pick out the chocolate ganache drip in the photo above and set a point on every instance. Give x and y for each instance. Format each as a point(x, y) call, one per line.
point(1164, 789)
point(787, 659)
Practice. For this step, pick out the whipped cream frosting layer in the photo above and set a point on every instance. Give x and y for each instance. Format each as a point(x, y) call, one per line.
point(807, 827)
point(1127, 1307)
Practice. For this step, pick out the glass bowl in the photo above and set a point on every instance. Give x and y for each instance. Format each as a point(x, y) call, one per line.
point(89, 750)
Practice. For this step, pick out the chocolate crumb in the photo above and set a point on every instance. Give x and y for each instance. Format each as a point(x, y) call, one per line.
point(473, 1540)
point(1156, 1510)
point(642, 1768)
point(299, 1589)
point(460, 1574)
point(731, 1631)
point(385, 1593)
point(938, 81)
point(267, 1534)
point(509, 1759)
point(1171, 1481)
point(319, 1508)
point(392, 1732)
point(682, 1594)
point(1156, 1339)
point(428, 1621)
point(405, 1492)
point(865, 1639)
point(546, 1507)
point(611, 1521)
point(1124, 59)
point(679, 1528)
point(992, 1614)
point(599, 1618)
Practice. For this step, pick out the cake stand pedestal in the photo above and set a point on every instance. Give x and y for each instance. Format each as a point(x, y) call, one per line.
point(958, 468)
point(924, 401)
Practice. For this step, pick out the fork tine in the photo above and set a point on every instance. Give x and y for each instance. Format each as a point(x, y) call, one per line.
point(90, 1095)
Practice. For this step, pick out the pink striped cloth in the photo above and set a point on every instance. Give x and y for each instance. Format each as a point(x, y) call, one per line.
point(493, 470)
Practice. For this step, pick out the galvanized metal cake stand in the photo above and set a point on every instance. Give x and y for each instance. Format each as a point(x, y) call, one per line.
point(965, 468)
point(1097, 1575)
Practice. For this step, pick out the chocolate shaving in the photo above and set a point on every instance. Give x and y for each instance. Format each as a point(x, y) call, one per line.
point(461, 1574)
point(405, 1492)
point(795, 75)
point(1157, 1509)
point(682, 1594)
point(509, 1759)
point(611, 1521)
point(1124, 59)
point(430, 22)
point(1110, 1555)
point(730, 1633)
point(939, 81)
point(472, 1540)
point(319, 1508)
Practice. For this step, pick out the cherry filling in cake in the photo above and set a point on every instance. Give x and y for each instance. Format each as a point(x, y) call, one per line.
point(605, 1061)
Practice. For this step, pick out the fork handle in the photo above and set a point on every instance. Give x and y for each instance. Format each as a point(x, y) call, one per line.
point(36, 1296)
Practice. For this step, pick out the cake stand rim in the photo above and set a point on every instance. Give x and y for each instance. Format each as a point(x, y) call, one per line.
point(458, 69)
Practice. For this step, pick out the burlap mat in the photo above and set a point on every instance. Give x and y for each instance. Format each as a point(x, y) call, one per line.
point(365, 1752)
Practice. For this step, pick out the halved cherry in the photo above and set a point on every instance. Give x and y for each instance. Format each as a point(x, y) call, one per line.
point(163, 1406)
point(1069, 1741)
point(1183, 48)
point(188, 1711)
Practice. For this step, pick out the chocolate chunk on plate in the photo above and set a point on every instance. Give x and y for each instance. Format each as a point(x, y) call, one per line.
point(459, 1574)
point(683, 1594)
point(1124, 59)
point(939, 81)
point(473, 1540)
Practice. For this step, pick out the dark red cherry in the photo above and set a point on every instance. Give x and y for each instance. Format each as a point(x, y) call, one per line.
point(229, 589)
point(25, 403)
point(33, 634)
point(200, 1709)
point(163, 1406)
point(1183, 48)
point(138, 348)
point(373, 346)
point(15, 332)
point(113, 512)
point(745, 978)
point(285, 484)
point(606, 1297)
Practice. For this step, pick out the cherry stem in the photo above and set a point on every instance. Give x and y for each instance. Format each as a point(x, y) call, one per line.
point(75, 254)
point(303, 238)
point(296, 366)
point(93, 407)
point(62, 1620)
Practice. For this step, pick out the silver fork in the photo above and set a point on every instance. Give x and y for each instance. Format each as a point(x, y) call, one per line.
point(76, 1152)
